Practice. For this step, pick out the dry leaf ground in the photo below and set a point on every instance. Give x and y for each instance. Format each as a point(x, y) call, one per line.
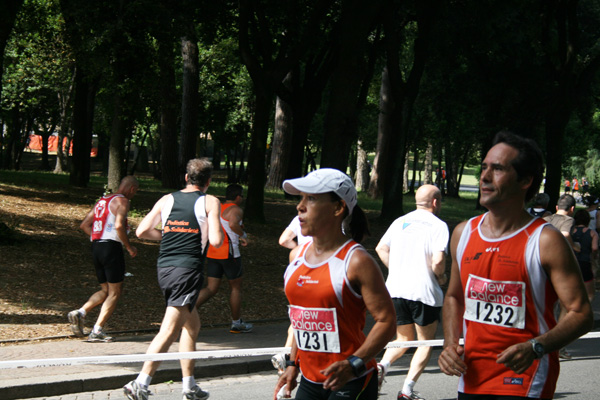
point(48, 271)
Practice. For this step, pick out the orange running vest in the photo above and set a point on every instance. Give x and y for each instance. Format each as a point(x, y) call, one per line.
point(225, 251)
point(508, 300)
point(327, 315)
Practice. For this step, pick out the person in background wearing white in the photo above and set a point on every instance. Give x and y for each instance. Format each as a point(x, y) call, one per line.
point(414, 250)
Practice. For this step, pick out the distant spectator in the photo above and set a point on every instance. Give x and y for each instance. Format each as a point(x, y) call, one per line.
point(563, 219)
point(567, 186)
point(585, 186)
point(540, 205)
point(588, 256)
point(592, 208)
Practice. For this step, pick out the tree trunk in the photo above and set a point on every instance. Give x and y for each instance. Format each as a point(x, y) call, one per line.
point(416, 169)
point(282, 141)
point(189, 103)
point(256, 159)
point(404, 94)
point(428, 165)
point(116, 146)
point(341, 120)
point(62, 157)
point(405, 173)
point(83, 117)
point(362, 168)
point(170, 174)
point(384, 132)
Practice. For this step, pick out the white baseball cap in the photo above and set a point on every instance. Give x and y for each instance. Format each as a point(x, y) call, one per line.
point(324, 180)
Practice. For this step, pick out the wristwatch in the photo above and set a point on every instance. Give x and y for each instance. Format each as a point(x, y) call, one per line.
point(538, 348)
point(358, 365)
point(289, 362)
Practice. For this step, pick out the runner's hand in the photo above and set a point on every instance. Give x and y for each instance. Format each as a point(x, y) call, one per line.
point(517, 357)
point(132, 251)
point(288, 378)
point(451, 362)
point(338, 374)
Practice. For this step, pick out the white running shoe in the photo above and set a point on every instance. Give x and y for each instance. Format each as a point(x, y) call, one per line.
point(413, 396)
point(241, 327)
point(381, 372)
point(195, 393)
point(100, 337)
point(76, 320)
point(133, 391)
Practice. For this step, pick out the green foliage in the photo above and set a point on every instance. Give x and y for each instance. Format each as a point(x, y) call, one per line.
point(37, 62)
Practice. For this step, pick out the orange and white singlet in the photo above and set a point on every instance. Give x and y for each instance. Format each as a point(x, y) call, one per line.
point(508, 299)
point(231, 240)
point(103, 226)
point(327, 315)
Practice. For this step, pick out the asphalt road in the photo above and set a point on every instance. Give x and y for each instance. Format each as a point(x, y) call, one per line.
point(578, 380)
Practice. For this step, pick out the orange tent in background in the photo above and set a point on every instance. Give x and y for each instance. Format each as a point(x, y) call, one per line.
point(35, 144)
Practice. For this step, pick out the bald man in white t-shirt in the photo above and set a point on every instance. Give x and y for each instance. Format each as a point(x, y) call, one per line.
point(414, 250)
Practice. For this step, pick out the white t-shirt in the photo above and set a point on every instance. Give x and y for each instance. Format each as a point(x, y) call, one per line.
point(593, 216)
point(413, 239)
point(294, 226)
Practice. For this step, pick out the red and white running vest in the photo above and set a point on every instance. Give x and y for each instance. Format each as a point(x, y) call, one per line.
point(508, 299)
point(103, 227)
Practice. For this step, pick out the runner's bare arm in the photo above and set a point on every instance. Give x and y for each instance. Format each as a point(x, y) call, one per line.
point(383, 251)
point(86, 224)
point(289, 376)
point(287, 239)
point(366, 278)
point(562, 268)
point(213, 210)
point(236, 215)
point(120, 208)
point(560, 265)
point(147, 229)
point(450, 361)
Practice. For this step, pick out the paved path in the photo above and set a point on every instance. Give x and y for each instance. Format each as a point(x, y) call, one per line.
point(62, 380)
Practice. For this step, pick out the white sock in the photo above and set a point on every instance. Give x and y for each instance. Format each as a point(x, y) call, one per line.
point(144, 380)
point(82, 312)
point(407, 389)
point(97, 328)
point(188, 382)
point(386, 365)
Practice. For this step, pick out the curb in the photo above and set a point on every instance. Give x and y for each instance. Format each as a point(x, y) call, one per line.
point(109, 381)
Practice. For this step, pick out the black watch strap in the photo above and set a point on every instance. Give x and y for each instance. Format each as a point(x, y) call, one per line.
point(358, 365)
point(290, 363)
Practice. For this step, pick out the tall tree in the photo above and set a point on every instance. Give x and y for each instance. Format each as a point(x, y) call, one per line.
point(269, 55)
point(190, 100)
point(571, 49)
point(404, 92)
point(350, 77)
point(7, 22)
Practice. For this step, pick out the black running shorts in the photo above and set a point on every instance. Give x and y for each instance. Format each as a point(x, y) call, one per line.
point(109, 261)
point(231, 267)
point(180, 286)
point(364, 388)
point(415, 312)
